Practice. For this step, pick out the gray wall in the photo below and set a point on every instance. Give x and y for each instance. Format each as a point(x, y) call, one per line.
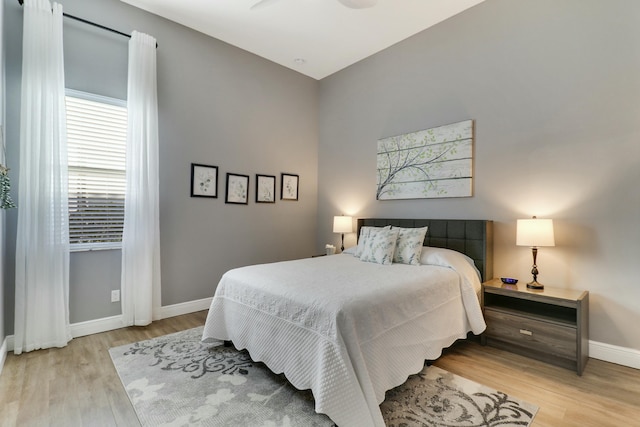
point(218, 105)
point(554, 89)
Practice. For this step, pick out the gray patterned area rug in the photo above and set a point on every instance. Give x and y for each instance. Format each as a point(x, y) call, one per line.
point(175, 380)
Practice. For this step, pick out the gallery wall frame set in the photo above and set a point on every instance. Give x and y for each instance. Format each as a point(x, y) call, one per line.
point(265, 188)
point(204, 180)
point(237, 189)
point(204, 183)
point(289, 186)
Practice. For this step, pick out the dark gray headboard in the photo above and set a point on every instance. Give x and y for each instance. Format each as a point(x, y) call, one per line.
point(472, 237)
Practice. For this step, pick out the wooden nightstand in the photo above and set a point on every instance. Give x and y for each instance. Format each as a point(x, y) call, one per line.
point(551, 325)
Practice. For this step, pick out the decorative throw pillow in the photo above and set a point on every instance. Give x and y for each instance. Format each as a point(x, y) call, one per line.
point(380, 246)
point(409, 245)
point(364, 235)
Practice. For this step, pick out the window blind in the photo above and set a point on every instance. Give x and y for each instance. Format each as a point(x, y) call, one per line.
point(96, 135)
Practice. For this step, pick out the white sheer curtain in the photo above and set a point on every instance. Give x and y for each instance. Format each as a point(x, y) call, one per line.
point(141, 236)
point(42, 247)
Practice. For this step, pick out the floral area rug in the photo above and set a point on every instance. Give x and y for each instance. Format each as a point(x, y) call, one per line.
point(175, 380)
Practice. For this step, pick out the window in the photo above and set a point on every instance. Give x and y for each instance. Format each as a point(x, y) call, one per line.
point(96, 141)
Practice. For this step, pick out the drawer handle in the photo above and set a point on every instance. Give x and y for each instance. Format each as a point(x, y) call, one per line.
point(525, 332)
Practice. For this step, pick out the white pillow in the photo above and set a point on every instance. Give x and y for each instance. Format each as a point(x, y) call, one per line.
point(364, 235)
point(448, 258)
point(409, 245)
point(380, 246)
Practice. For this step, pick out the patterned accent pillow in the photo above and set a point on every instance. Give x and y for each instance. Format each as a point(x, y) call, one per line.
point(380, 246)
point(364, 235)
point(409, 245)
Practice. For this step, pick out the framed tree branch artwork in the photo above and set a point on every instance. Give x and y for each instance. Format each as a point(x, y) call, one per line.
point(432, 163)
point(265, 188)
point(289, 186)
point(237, 189)
point(204, 180)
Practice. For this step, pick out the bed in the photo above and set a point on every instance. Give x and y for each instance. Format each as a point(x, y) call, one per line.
point(350, 330)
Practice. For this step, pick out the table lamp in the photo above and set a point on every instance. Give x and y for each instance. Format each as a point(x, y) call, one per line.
point(534, 232)
point(342, 224)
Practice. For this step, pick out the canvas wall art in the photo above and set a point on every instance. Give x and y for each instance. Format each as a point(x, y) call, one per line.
point(431, 163)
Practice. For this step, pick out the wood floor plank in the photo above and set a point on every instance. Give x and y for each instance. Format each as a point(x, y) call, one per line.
point(79, 386)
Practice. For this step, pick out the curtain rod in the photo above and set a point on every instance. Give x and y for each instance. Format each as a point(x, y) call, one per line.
point(84, 21)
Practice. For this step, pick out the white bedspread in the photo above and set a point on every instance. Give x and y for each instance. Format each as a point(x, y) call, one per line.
point(346, 329)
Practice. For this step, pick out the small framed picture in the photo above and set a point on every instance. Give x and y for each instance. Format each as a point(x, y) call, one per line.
point(237, 189)
point(204, 180)
point(289, 186)
point(265, 188)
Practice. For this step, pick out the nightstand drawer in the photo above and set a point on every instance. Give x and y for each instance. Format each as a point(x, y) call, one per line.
point(540, 336)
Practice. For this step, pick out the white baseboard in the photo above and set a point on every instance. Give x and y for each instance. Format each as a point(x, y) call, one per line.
point(97, 326)
point(185, 308)
point(614, 354)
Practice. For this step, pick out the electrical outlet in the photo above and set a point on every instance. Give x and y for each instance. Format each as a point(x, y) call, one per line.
point(115, 295)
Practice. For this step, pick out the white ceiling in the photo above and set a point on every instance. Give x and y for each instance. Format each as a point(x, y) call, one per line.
point(314, 37)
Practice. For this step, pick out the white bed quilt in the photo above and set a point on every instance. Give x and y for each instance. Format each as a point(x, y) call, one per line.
point(346, 329)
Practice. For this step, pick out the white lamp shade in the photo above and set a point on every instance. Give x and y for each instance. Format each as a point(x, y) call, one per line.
point(342, 224)
point(535, 232)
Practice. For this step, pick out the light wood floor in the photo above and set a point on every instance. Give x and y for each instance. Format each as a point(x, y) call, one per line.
point(78, 385)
